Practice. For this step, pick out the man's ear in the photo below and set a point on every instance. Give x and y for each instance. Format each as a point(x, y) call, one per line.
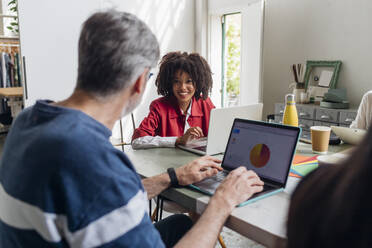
point(140, 84)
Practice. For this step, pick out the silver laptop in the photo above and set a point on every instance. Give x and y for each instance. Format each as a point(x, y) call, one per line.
point(219, 128)
point(265, 148)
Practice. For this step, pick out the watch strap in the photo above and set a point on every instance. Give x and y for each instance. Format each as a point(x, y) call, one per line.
point(173, 177)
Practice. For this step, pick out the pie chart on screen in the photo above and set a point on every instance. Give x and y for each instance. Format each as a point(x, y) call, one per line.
point(260, 155)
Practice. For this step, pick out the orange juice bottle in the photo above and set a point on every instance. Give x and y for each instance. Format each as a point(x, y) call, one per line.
point(290, 116)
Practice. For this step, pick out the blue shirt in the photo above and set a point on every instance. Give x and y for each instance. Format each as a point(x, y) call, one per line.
point(62, 184)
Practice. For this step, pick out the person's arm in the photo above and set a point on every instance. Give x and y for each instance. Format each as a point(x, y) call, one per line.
point(149, 124)
point(192, 172)
point(156, 184)
point(146, 142)
point(238, 187)
point(360, 120)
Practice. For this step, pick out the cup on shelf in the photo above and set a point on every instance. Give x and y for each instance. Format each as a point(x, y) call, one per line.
point(320, 139)
point(304, 97)
point(297, 94)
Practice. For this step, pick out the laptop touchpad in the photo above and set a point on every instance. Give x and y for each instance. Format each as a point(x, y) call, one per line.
point(208, 184)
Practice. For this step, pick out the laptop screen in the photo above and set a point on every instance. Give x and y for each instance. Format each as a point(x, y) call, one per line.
point(265, 148)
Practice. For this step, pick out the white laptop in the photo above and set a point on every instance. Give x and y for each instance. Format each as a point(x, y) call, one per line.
point(265, 148)
point(348, 135)
point(219, 128)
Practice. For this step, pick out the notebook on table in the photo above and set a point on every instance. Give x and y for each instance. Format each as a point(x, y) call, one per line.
point(265, 148)
point(219, 128)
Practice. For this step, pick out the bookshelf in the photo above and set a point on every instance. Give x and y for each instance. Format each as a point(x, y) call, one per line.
point(11, 91)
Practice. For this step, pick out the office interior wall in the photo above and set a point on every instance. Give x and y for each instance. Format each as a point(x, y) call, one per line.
point(49, 32)
point(300, 30)
point(201, 28)
point(50, 46)
point(172, 21)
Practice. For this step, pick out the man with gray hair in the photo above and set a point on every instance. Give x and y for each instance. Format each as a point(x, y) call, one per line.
point(62, 183)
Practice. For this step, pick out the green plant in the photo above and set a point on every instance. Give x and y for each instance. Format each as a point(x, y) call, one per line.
point(13, 25)
point(233, 58)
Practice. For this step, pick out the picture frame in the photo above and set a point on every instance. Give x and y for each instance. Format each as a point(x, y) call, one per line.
point(312, 64)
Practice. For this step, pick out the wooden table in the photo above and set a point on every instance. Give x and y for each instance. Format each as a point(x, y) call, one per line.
point(263, 221)
point(15, 102)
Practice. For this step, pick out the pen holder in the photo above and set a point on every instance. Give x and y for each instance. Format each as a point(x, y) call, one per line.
point(304, 97)
point(297, 94)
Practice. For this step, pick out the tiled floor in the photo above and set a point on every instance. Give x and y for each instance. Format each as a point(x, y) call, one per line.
point(232, 239)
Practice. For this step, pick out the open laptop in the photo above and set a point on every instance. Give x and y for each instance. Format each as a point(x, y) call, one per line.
point(348, 135)
point(219, 128)
point(265, 148)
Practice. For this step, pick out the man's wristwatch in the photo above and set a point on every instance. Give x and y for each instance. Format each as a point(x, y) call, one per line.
point(173, 177)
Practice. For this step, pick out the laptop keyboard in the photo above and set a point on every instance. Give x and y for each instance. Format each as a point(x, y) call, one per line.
point(220, 176)
point(201, 148)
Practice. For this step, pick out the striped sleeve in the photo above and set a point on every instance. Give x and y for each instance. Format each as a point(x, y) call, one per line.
point(126, 226)
point(118, 216)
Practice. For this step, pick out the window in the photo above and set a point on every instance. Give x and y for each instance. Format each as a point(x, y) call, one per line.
point(9, 19)
point(235, 39)
point(231, 57)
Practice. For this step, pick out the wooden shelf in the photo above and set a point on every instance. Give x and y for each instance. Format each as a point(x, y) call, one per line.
point(11, 38)
point(8, 16)
point(11, 92)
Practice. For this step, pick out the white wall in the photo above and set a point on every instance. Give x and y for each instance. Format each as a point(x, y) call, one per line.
point(49, 42)
point(300, 30)
point(49, 32)
point(172, 21)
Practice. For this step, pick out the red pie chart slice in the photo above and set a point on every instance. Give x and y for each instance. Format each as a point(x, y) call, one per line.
point(260, 155)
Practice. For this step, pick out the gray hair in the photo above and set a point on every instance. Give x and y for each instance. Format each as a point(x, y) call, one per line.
point(114, 49)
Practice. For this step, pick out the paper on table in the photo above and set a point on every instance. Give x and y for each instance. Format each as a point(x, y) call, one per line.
point(291, 174)
point(306, 163)
point(325, 78)
point(302, 158)
point(303, 170)
point(299, 158)
point(302, 165)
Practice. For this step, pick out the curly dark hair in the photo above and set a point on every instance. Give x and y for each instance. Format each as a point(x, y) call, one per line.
point(193, 64)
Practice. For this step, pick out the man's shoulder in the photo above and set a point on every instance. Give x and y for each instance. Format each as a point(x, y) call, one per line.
point(65, 138)
point(75, 137)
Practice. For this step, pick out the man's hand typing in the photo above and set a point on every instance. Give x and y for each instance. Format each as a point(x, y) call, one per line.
point(197, 170)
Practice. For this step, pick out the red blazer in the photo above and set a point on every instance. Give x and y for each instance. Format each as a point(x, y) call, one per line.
point(165, 118)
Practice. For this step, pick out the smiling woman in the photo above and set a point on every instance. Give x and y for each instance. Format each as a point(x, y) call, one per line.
point(182, 114)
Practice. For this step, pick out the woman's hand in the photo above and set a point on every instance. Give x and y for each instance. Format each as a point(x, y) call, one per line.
point(191, 133)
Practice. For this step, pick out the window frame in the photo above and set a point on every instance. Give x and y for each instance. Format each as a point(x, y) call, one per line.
point(251, 91)
point(3, 16)
point(223, 58)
